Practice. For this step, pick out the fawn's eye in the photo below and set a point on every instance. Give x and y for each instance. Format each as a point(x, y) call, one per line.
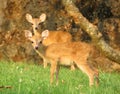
point(41, 23)
point(32, 42)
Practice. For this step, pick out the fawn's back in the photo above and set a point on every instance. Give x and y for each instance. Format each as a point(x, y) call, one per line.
point(57, 37)
point(71, 51)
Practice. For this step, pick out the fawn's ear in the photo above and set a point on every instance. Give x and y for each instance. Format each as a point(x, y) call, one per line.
point(28, 34)
point(29, 18)
point(45, 34)
point(42, 17)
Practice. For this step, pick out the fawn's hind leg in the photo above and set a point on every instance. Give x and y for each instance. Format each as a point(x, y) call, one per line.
point(81, 63)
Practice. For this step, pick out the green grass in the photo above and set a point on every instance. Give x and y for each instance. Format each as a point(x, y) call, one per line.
point(20, 78)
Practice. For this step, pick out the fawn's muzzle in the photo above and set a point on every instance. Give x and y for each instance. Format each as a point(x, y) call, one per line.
point(36, 48)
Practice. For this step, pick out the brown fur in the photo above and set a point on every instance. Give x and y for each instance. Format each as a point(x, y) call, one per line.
point(65, 53)
point(57, 37)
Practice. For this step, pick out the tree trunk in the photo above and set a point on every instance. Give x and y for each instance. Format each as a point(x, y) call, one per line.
point(92, 30)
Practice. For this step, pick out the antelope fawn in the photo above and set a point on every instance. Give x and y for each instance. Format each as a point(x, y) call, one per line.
point(35, 21)
point(67, 54)
point(56, 36)
point(53, 38)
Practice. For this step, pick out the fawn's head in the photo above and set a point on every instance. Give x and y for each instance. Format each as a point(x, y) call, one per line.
point(36, 38)
point(35, 21)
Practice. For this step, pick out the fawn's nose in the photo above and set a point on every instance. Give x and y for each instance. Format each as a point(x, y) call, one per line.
point(36, 48)
point(36, 28)
point(40, 42)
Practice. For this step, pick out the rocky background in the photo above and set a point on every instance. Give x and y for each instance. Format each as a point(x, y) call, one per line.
point(14, 46)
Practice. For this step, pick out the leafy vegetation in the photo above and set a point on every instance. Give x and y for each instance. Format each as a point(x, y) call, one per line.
point(21, 78)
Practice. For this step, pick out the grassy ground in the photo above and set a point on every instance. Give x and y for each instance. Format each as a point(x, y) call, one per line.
point(19, 78)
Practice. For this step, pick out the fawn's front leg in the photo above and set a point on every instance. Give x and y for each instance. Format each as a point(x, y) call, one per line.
point(52, 70)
